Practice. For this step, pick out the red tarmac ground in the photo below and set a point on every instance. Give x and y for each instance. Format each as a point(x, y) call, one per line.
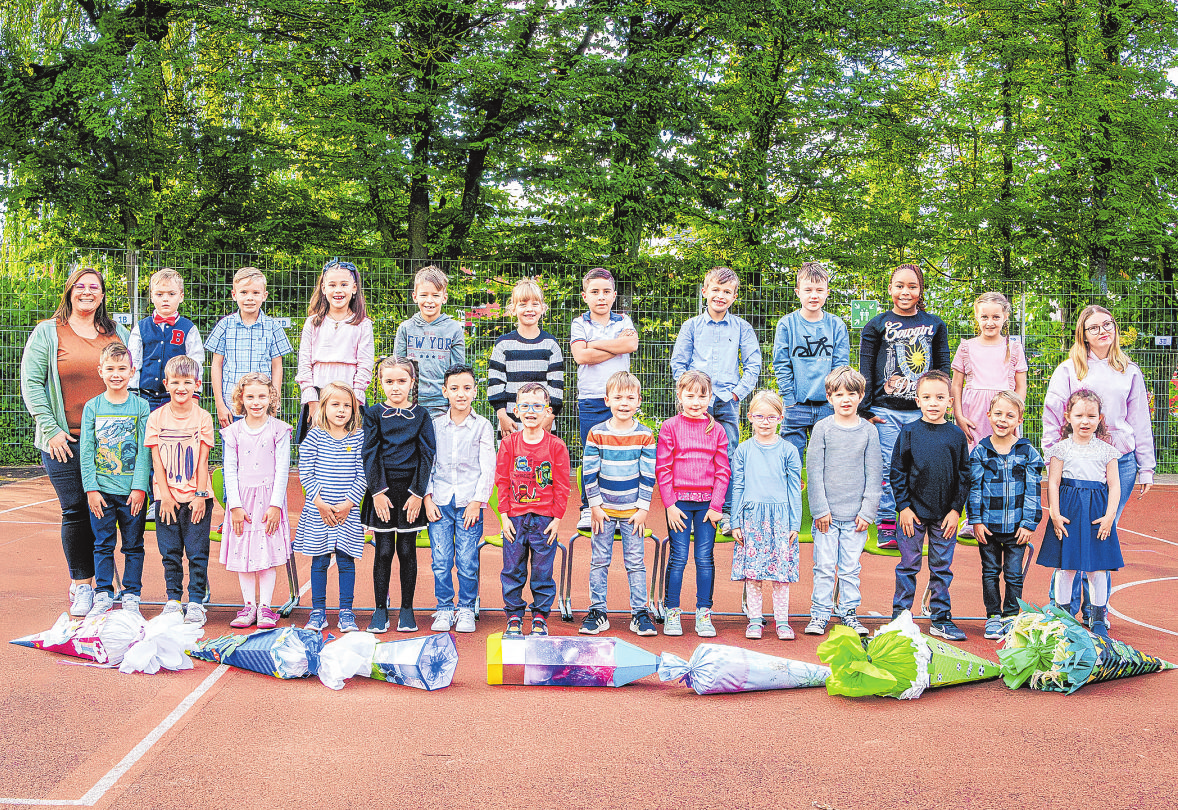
point(212, 737)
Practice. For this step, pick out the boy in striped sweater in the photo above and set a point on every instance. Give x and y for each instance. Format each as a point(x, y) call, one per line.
point(527, 354)
point(618, 473)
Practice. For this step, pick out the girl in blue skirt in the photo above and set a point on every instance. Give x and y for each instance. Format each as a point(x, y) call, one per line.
point(1083, 490)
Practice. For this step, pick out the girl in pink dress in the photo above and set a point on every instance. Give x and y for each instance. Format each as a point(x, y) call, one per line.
point(256, 542)
point(983, 366)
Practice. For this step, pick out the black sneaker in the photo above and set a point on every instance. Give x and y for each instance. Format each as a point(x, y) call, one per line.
point(515, 627)
point(406, 623)
point(885, 537)
point(945, 628)
point(379, 622)
point(594, 623)
point(642, 625)
point(539, 626)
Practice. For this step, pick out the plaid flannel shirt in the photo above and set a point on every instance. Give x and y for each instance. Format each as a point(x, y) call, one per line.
point(1004, 489)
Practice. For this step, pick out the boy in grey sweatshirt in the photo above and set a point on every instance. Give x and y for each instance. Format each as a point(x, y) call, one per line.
point(431, 338)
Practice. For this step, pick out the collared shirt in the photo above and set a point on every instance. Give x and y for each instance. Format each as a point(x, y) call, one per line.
point(246, 348)
point(726, 350)
point(464, 467)
point(591, 377)
point(1004, 489)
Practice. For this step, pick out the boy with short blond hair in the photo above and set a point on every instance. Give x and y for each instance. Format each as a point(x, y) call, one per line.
point(725, 347)
point(431, 338)
point(247, 340)
point(162, 335)
point(180, 436)
point(619, 478)
point(527, 354)
point(115, 462)
point(601, 342)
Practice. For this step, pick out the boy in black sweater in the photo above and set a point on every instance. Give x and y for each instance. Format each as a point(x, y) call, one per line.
point(930, 478)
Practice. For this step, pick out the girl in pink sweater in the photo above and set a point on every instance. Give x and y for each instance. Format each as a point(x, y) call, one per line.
point(691, 467)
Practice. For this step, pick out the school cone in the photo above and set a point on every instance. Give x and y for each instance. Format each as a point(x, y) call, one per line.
point(565, 661)
point(284, 652)
point(719, 669)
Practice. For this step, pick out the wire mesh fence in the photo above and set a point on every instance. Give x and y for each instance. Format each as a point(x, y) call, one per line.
point(480, 292)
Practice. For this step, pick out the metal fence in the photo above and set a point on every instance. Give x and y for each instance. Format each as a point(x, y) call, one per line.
point(480, 291)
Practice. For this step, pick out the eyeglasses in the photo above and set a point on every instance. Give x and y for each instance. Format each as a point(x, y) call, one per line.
point(1107, 326)
point(761, 418)
point(530, 407)
point(94, 288)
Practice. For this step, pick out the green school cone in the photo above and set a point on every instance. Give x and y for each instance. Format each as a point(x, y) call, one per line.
point(951, 665)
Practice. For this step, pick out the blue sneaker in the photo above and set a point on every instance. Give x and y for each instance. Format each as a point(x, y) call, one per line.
point(347, 621)
point(380, 621)
point(946, 629)
point(885, 536)
point(514, 627)
point(317, 620)
point(995, 628)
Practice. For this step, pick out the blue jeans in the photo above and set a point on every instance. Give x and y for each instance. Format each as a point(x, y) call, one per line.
point(183, 538)
point(347, 580)
point(116, 515)
point(450, 542)
point(590, 414)
point(529, 540)
point(940, 560)
point(727, 415)
point(837, 550)
point(633, 555)
point(77, 535)
point(1002, 555)
point(889, 431)
point(798, 423)
point(705, 567)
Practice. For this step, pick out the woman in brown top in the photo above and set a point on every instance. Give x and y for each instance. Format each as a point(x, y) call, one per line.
point(59, 375)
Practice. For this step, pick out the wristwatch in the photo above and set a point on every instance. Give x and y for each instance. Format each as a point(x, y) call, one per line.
point(203, 494)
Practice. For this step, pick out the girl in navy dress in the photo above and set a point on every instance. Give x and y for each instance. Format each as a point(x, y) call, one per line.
point(1083, 490)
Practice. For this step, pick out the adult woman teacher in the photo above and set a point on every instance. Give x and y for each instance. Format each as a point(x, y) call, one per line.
point(1097, 362)
point(58, 376)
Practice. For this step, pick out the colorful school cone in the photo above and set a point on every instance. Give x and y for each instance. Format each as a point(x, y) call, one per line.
point(426, 662)
point(566, 661)
point(103, 639)
point(1055, 653)
point(284, 652)
point(719, 669)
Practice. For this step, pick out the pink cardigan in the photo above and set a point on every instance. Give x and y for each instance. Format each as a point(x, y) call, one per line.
point(691, 463)
point(335, 352)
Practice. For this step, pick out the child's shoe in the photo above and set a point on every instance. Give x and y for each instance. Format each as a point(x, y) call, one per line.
point(83, 600)
point(703, 623)
point(725, 526)
point(994, 628)
point(196, 614)
point(642, 624)
point(406, 623)
point(852, 621)
point(595, 622)
point(443, 620)
point(245, 617)
point(379, 623)
point(131, 603)
point(785, 632)
point(945, 628)
point(673, 624)
point(465, 623)
point(754, 629)
point(816, 627)
point(1100, 622)
point(267, 618)
point(585, 521)
point(173, 606)
point(539, 626)
point(885, 536)
point(347, 621)
point(317, 621)
point(103, 601)
point(515, 627)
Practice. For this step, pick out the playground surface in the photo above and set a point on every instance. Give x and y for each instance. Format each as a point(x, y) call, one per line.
point(217, 737)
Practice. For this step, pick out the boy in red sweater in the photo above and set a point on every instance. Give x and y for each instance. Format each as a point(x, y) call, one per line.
point(532, 474)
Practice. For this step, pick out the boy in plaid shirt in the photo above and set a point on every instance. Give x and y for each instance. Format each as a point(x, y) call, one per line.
point(1004, 505)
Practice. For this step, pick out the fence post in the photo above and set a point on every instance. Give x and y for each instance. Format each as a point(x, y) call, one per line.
point(133, 284)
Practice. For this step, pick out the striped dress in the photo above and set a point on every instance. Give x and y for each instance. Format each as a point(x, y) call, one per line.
point(618, 469)
point(516, 360)
point(333, 468)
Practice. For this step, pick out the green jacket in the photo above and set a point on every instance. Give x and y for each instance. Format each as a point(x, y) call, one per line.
point(40, 386)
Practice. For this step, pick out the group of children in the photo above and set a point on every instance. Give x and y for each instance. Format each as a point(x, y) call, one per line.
point(877, 445)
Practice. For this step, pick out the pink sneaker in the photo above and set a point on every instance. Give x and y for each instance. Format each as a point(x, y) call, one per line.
point(245, 617)
point(267, 618)
point(784, 631)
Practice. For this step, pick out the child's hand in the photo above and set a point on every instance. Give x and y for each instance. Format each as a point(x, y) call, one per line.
point(312, 409)
point(383, 506)
point(597, 522)
point(507, 425)
point(506, 528)
point(167, 508)
point(198, 507)
point(432, 512)
point(737, 536)
point(1106, 525)
point(793, 537)
point(471, 514)
point(1023, 535)
point(97, 503)
point(908, 522)
point(967, 427)
point(224, 417)
point(136, 500)
point(713, 516)
point(552, 529)
point(326, 512)
point(1059, 521)
point(949, 523)
point(343, 509)
point(822, 524)
point(638, 521)
point(413, 508)
point(675, 518)
point(861, 525)
point(273, 518)
point(979, 532)
point(238, 518)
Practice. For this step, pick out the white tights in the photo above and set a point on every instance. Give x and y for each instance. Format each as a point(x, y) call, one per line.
point(1097, 586)
point(260, 581)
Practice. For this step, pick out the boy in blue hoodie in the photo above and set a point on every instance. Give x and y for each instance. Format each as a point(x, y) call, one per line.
point(431, 338)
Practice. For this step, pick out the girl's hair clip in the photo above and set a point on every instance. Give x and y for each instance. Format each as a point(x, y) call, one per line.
point(335, 262)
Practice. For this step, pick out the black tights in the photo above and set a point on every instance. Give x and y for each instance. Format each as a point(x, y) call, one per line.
point(405, 544)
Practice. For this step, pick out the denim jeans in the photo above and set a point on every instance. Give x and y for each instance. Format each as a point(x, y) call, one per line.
point(940, 560)
point(347, 579)
point(182, 538)
point(705, 567)
point(529, 540)
point(727, 415)
point(1002, 555)
point(889, 431)
point(633, 555)
point(116, 516)
point(77, 535)
point(798, 423)
point(449, 544)
point(837, 550)
point(590, 414)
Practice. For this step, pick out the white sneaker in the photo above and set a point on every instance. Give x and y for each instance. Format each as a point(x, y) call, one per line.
point(131, 603)
point(173, 606)
point(703, 623)
point(442, 621)
point(673, 624)
point(585, 521)
point(465, 623)
point(83, 600)
point(196, 614)
point(103, 601)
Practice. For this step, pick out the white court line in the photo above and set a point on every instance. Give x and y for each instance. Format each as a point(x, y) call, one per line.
point(1120, 615)
point(114, 774)
point(1147, 536)
point(26, 506)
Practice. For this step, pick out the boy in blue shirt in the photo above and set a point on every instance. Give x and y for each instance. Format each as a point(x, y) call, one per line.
point(723, 346)
point(160, 336)
point(807, 345)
